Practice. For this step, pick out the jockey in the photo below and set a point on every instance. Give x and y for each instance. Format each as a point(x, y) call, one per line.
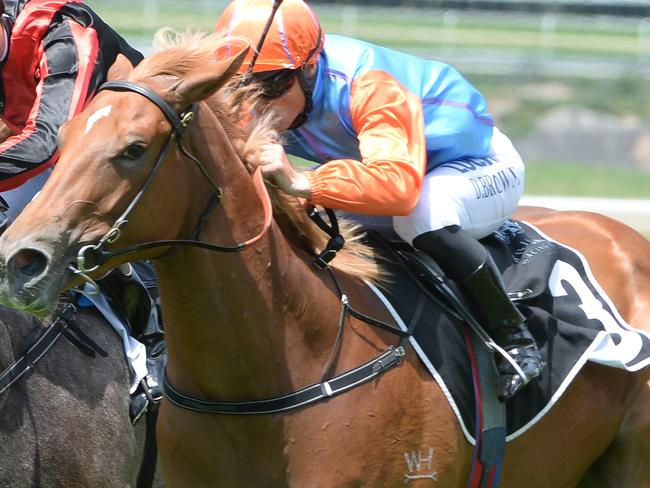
point(394, 135)
point(54, 54)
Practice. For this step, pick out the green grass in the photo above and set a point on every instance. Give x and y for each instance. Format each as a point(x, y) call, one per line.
point(134, 22)
point(561, 178)
point(626, 98)
point(429, 38)
point(423, 31)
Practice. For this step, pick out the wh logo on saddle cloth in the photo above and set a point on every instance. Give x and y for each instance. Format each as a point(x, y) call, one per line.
point(567, 311)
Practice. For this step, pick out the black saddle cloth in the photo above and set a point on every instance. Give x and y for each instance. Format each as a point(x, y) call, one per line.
point(571, 318)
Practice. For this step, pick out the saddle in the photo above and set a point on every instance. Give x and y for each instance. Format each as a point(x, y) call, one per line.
point(565, 309)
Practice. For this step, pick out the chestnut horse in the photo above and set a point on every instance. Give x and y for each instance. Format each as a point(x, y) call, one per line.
point(262, 322)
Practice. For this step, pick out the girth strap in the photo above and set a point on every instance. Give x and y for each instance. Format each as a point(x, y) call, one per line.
point(299, 398)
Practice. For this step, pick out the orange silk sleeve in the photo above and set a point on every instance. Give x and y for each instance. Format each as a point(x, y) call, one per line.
point(389, 123)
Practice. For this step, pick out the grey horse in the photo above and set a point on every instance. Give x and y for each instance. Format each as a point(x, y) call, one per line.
point(66, 423)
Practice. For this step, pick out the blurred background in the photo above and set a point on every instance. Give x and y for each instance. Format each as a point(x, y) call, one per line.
point(567, 80)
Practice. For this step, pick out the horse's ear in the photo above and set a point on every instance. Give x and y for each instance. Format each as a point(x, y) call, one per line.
point(202, 82)
point(120, 69)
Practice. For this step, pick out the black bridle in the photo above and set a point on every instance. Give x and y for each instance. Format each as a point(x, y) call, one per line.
point(98, 254)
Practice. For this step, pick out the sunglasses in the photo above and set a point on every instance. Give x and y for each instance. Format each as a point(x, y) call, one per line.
point(274, 84)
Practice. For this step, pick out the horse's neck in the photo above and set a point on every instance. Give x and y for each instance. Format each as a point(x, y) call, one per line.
point(243, 317)
point(236, 323)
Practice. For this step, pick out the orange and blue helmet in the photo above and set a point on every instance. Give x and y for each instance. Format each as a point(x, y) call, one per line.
point(294, 39)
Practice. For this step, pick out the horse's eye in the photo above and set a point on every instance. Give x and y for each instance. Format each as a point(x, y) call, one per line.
point(134, 151)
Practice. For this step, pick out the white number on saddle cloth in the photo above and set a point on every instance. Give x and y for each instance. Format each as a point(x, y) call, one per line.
point(610, 351)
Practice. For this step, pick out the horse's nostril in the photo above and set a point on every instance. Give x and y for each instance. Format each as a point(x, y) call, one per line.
point(29, 262)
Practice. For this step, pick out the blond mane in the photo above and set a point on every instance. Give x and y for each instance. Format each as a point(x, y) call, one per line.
point(178, 53)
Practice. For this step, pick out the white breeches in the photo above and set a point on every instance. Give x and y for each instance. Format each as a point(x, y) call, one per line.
point(477, 194)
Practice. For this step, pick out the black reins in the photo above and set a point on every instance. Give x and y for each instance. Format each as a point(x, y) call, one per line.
point(92, 256)
point(40, 347)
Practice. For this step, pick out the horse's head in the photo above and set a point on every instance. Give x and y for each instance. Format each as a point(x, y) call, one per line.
point(109, 153)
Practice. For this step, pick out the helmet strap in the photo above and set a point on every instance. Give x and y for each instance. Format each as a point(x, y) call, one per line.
point(307, 89)
point(302, 78)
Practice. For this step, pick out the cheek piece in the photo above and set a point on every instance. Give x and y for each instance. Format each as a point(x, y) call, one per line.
point(306, 84)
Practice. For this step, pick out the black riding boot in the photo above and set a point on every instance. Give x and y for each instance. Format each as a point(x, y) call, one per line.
point(506, 326)
point(464, 260)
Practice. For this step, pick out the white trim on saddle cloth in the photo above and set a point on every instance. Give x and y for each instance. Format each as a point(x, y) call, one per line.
point(616, 346)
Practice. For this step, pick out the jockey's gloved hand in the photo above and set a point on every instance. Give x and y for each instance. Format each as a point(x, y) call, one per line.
point(277, 167)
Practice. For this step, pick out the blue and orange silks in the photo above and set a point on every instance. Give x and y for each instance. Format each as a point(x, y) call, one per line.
point(381, 120)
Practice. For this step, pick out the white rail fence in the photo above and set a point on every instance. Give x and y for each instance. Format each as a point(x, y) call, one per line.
point(635, 213)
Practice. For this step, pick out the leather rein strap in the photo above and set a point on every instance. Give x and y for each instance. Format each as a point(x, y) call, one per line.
point(324, 389)
point(309, 394)
point(40, 347)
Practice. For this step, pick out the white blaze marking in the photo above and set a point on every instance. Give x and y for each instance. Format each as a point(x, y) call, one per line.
point(94, 118)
